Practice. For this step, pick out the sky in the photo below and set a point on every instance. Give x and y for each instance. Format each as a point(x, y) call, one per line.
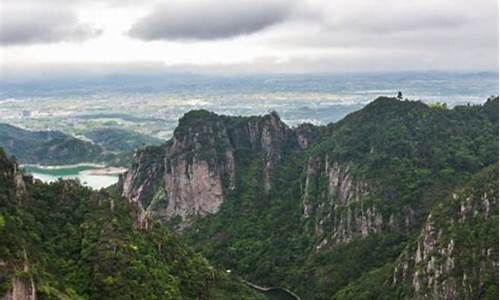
point(289, 36)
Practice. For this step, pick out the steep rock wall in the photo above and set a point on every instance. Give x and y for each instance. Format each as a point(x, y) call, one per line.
point(187, 177)
point(337, 204)
point(338, 208)
point(22, 288)
point(445, 264)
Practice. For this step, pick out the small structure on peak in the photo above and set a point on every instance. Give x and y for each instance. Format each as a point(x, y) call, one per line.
point(400, 95)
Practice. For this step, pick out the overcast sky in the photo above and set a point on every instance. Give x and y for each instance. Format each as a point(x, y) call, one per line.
point(250, 35)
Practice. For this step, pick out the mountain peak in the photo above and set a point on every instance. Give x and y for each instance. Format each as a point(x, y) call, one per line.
point(273, 114)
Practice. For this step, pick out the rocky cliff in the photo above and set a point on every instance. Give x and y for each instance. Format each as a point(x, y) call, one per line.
point(339, 207)
point(13, 192)
point(22, 287)
point(189, 175)
point(340, 210)
point(454, 256)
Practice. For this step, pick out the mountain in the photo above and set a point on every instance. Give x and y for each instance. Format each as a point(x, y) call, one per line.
point(101, 145)
point(64, 241)
point(187, 177)
point(455, 254)
point(120, 140)
point(325, 211)
point(46, 147)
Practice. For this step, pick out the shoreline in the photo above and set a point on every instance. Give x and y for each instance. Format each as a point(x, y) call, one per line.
point(57, 167)
point(94, 169)
point(107, 171)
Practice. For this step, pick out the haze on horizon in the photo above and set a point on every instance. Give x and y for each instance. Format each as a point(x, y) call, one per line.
point(51, 36)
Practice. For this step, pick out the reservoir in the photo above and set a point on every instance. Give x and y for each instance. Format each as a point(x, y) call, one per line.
point(93, 176)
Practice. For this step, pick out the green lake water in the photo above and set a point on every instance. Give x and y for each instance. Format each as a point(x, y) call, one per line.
point(53, 173)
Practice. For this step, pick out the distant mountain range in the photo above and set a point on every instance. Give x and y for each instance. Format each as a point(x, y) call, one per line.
point(102, 145)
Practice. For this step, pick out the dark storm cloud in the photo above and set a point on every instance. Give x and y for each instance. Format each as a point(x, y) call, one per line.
point(209, 20)
point(28, 26)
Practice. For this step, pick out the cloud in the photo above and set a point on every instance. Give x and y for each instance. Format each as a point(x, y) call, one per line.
point(209, 20)
point(387, 16)
point(438, 34)
point(22, 25)
point(299, 35)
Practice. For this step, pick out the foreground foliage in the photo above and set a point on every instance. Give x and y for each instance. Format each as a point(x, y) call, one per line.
point(73, 243)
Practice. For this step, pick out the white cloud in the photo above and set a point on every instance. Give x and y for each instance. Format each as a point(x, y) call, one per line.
point(27, 25)
point(208, 20)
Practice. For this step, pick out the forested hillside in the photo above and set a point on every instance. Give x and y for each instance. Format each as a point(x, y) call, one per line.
point(102, 145)
point(64, 241)
point(326, 211)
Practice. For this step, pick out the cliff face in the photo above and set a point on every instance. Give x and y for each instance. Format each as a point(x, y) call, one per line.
point(339, 211)
point(13, 193)
point(340, 207)
point(22, 288)
point(453, 257)
point(142, 182)
point(189, 175)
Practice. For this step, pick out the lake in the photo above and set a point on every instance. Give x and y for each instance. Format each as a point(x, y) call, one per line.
point(83, 172)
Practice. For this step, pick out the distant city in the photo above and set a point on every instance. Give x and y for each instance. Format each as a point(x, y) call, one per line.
point(151, 105)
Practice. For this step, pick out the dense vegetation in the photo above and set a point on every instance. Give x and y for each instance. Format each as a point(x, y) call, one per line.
point(104, 145)
point(345, 217)
point(410, 155)
point(73, 243)
point(120, 140)
point(466, 219)
point(46, 147)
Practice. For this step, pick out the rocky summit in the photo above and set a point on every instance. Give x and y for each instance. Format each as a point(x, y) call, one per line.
point(188, 176)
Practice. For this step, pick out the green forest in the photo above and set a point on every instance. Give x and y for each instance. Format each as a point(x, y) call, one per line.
point(74, 243)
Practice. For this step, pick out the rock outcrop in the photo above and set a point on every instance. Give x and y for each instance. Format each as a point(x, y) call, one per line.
point(445, 264)
point(188, 176)
point(338, 204)
point(22, 287)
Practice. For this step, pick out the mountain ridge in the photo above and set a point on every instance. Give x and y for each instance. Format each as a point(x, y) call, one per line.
point(110, 145)
point(324, 194)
